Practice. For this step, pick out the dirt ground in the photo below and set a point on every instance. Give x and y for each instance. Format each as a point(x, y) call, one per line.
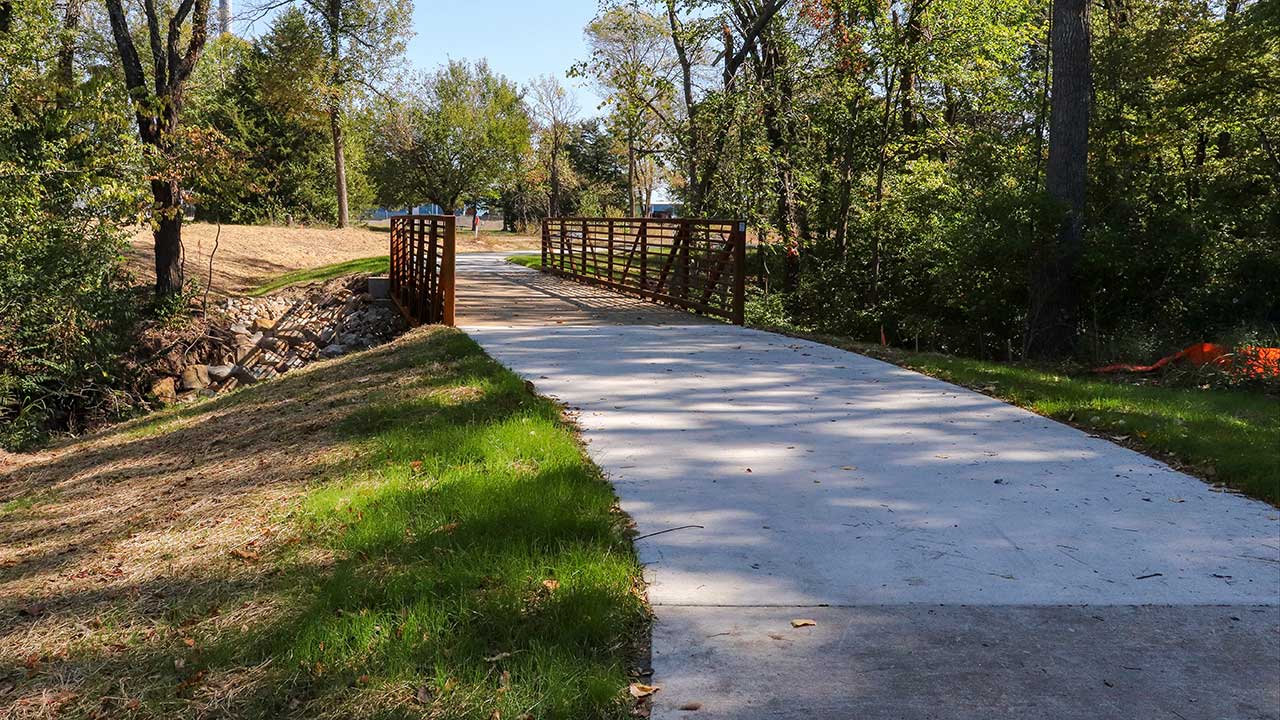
point(247, 255)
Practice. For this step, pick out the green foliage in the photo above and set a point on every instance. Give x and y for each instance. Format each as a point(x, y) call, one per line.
point(64, 306)
point(460, 139)
point(892, 157)
point(266, 99)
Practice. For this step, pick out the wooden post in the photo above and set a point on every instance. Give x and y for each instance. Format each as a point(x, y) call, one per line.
point(610, 251)
point(740, 274)
point(584, 247)
point(644, 256)
point(546, 240)
point(564, 248)
point(430, 295)
point(682, 240)
point(447, 280)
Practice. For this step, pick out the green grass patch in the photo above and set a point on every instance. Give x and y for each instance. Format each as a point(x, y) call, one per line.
point(375, 265)
point(479, 566)
point(529, 261)
point(1227, 436)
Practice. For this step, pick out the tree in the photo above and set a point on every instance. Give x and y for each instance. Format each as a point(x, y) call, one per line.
point(65, 191)
point(157, 108)
point(631, 59)
point(462, 137)
point(364, 40)
point(555, 109)
point(1051, 319)
point(261, 98)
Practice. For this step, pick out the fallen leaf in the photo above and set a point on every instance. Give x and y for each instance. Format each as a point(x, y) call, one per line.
point(642, 691)
point(450, 684)
point(423, 695)
point(552, 585)
point(803, 622)
point(245, 555)
point(447, 528)
point(189, 642)
point(504, 680)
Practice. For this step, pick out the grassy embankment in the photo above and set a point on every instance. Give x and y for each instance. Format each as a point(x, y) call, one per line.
point(441, 547)
point(373, 265)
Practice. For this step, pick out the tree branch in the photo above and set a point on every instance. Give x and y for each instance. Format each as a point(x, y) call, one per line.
point(134, 79)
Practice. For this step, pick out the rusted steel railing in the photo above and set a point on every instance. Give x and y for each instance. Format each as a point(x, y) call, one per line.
point(422, 272)
point(692, 263)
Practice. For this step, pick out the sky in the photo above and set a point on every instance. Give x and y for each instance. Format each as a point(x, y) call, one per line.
point(520, 38)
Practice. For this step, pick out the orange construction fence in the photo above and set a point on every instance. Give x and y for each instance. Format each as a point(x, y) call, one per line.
point(1249, 361)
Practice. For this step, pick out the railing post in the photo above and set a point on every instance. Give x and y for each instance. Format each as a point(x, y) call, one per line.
point(546, 240)
point(683, 240)
point(566, 256)
point(740, 274)
point(584, 247)
point(447, 281)
point(610, 251)
point(644, 256)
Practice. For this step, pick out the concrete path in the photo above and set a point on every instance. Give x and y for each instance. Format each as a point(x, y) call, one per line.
point(961, 558)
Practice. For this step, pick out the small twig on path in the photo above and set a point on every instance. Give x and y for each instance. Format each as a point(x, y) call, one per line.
point(682, 527)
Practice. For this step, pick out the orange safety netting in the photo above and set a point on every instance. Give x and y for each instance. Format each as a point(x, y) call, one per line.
point(1248, 361)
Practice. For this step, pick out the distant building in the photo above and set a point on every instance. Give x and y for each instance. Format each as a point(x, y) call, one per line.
point(384, 213)
point(664, 210)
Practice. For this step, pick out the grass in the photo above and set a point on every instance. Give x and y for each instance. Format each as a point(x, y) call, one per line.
point(374, 265)
point(529, 261)
point(451, 553)
point(1225, 436)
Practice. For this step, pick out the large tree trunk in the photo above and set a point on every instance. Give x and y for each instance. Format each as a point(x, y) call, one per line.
point(67, 49)
point(339, 164)
point(911, 37)
point(1052, 317)
point(168, 236)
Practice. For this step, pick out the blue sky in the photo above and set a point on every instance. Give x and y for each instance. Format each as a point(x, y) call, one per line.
point(520, 38)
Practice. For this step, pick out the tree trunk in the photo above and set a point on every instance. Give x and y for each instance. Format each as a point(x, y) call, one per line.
point(334, 19)
point(631, 176)
point(67, 49)
point(553, 208)
point(1052, 317)
point(6, 16)
point(339, 164)
point(911, 36)
point(168, 236)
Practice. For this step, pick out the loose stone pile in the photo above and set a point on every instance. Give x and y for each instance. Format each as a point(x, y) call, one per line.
point(254, 339)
